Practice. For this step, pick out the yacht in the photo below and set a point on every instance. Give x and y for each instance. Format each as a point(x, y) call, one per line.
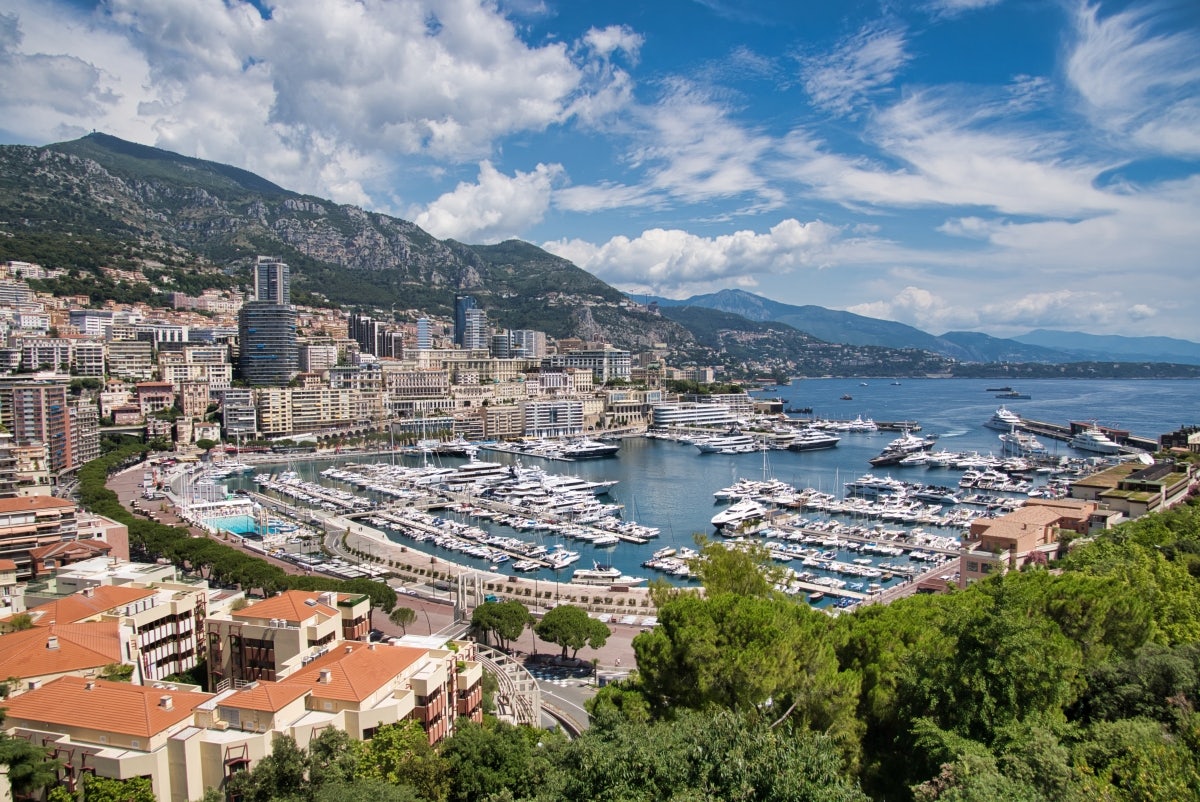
point(1019, 444)
point(901, 447)
point(603, 575)
point(589, 449)
point(813, 440)
point(731, 443)
point(738, 513)
point(1094, 440)
point(1003, 419)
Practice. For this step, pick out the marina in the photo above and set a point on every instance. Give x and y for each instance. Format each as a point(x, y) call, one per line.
point(641, 516)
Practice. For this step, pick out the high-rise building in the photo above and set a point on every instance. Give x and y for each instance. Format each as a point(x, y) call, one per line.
point(272, 281)
point(529, 343)
point(424, 334)
point(267, 348)
point(476, 332)
point(38, 411)
point(462, 303)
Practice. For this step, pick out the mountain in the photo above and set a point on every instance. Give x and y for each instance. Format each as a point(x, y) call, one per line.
point(846, 327)
point(1128, 349)
point(1052, 347)
point(101, 201)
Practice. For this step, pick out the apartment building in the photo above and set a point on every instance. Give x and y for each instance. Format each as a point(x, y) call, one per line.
point(37, 410)
point(27, 523)
point(185, 741)
point(277, 636)
point(1028, 534)
point(130, 359)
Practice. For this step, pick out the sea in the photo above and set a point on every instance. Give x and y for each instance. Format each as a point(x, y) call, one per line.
point(670, 485)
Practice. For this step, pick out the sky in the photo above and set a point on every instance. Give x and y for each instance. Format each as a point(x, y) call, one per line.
point(981, 165)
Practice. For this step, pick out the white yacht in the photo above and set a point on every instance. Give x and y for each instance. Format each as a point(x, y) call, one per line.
point(813, 440)
point(738, 513)
point(1020, 444)
point(603, 575)
point(1094, 440)
point(727, 443)
point(1004, 420)
point(589, 449)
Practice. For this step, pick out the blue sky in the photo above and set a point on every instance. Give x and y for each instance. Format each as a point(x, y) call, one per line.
point(988, 165)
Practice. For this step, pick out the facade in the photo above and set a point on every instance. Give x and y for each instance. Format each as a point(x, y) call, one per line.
point(130, 359)
point(462, 303)
point(318, 358)
point(606, 364)
point(27, 523)
point(37, 410)
point(272, 281)
point(268, 353)
point(1028, 534)
point(239, 416)
point(553, 418)
point(664, 416)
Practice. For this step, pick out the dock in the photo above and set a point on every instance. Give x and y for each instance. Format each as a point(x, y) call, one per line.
point(1063, 433)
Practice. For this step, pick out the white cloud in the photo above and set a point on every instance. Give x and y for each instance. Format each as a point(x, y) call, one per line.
point(1139, 77)
point(606, 41)
point(323, 96)
point(674, 262)
point(860, 67)
point(950, 8)
point(494, 208)
point(952, 153)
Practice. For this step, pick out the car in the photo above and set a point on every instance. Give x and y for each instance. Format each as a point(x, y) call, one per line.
point(376, 635)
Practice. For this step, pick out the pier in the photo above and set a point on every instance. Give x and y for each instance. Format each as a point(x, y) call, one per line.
point(1056, 431)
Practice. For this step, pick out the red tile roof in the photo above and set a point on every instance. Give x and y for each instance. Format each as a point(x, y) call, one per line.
point(33, 503)
point(356, 672)
point(107, 707)
point(292, 605)
point(78, 648)
point(265, 695)
point(7, 565)
point(78, 606)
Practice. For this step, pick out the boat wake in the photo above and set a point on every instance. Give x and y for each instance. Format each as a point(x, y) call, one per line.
point(955, 433)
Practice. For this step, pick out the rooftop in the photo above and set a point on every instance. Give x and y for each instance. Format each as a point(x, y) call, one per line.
point(103, 706)
point(42, 651)
point(87, 604)
point(356, 670)
point(265, 695)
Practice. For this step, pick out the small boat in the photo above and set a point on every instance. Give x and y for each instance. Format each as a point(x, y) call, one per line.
point(847, 397)
point(1004, 389)
point(1013, 394)
point(815, 597)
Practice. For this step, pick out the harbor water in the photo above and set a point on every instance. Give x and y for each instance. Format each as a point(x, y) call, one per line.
point(669, 485)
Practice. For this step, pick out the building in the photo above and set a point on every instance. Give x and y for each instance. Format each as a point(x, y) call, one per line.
point(272, 281)
point(27, 523)
point(606, 364)
point(239, 415)
point(267, 351)
point(1135, 489)
point(424, 334)
point(37, 410)
point(1028, 534)
point(130, 359)
point(278, 636)
point(185, 741)
point(664, 416)
point(529, 343)
point(318, 358)
point(462, 304)
point(553, 418)
point(154, 396)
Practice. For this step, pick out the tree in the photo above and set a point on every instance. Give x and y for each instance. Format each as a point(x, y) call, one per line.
point(280, 775)
point(745, 571)
point(400, 754)
point(117, 672)
point(491, 760)
point(204, 443)
point(29, 767)
point(702, 755)
point(751, 655)
point(570, 627)
point(506, 620)
point(402, 617)
point(103, 789)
